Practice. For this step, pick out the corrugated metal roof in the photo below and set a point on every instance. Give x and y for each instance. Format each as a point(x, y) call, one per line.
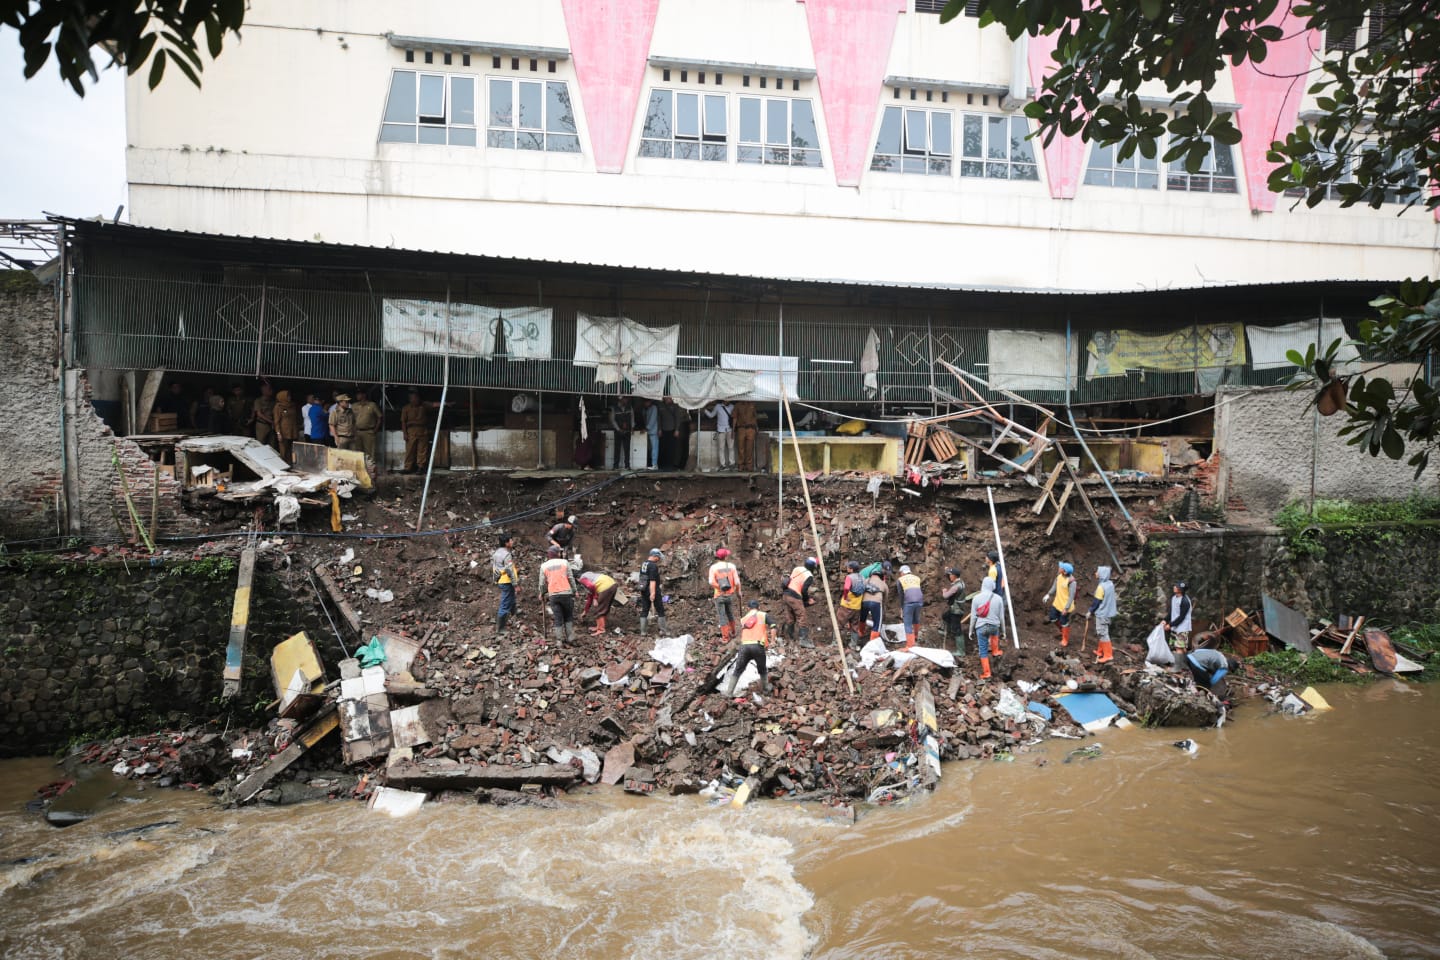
point(123, 231)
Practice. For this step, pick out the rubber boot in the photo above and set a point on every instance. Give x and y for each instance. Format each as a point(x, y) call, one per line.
point(559, 634)
point(805, 638)
point(874, 635)
point(664, 628)
point(644, 625)
point(500, 619)
point(984, 668)
point(910, 640)
point(996, 649)
point(729, 690)
point(1064, 636)
point(570, 631)
point(1104, 653)
point(599, 627)
point(726, 632)
point(765, 684)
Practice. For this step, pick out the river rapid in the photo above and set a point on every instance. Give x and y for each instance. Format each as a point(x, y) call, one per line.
point(1280, 837)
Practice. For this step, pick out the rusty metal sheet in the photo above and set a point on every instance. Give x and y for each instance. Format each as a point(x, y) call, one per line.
point(1382, 651)
point(1286, 625)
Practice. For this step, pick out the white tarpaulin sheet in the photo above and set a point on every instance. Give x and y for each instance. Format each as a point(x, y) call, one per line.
point(671, 650)
point(768, 370)
point(1268, 344)
point(693, 389)
point(618, 346)
point(870, 363)
point(1030, 360)
point(420, 326)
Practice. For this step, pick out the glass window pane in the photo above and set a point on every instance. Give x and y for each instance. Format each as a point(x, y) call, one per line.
point(462, 101)
point(889, 139)
point(657, 116)
point(462, 136)
point(802, 127)
point(997, 171)
point(654, 148)
point(972, 168)
point(505, 139)
point(397, 133)
point(400, 108)
point(531, 105)
point(744, 154)
point(687, 150)
point(997, 139)
point(1024, 171)
point(940, 166)
point(1124, 178)
point(1021, 150)
point(432, 98)
point(562, 143)
point(432, 133)
point(1148, 163)
point(1224, 160)
point(749, 120)
point(559, 118)
point(777, 122)
point(1102, 157)
point(1224, 185)
point(1096, 177)
point(974, 138)
point(805, 158)
point(714, 151)
point(501, 105)
point(530, 140)
point(940, 134)
point(912, 164)
point(916, 139)
point(777, 155)
point(715, 117)
point(687, 116)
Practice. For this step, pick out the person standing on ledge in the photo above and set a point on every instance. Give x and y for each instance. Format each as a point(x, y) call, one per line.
point(1179, 623)
point(987, 612)
point(557, 590)
point(342, 423)
point(1063, 604)
point(502, 567)
point(651, 599)
point(413, 426)
point(1104, 608)
point(745, 424)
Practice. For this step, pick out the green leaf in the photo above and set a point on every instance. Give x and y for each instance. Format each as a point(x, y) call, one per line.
point(1150, 9)
point(157, 70)
point(1393, 444)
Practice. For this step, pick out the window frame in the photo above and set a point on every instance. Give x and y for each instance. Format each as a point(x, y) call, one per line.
point(706, 145)
point(495, 133)
point(930, 161)
point(988, 163)
point(1205, 180)
point(762, 151)
point(450, 131)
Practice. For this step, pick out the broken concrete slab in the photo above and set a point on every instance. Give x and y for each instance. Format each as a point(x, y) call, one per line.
point(396, 803)
point(618, 759)
point(451, 775)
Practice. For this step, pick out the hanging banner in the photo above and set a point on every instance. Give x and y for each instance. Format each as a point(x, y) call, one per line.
point(419, 326)
point(693, 389)
point(1029, 360)
point(527, 331)
point(621, 349)
point(768, 370)
point(1114, 352)
point(1268, 344)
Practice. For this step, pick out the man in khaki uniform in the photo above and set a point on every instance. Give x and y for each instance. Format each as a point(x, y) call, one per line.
point(367, 425)
point(745, 427)
point(287, 424)
point(417, 436)
point(239, 410)
point(342, 423)
point(264, 415)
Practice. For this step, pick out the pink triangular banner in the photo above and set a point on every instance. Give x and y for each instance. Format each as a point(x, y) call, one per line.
point(851, 41)
point(609, 42)
point(1064, 155)
point(1270, 101)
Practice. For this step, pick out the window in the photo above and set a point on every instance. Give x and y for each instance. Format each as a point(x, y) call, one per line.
point(1136, 171)
point(1342, 34)
point(531, 115)
point(429, 108)
point(914, 141)
point(972, 7)
point(1216, 174)
point(994, 147)
point(1406, 190)
point(685, 126)
point(775, 130)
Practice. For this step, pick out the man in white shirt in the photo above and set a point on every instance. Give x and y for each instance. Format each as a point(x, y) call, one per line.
point(723, 412)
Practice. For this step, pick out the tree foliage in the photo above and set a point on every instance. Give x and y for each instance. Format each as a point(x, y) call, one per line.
point(131, 34)
point(1373, 140)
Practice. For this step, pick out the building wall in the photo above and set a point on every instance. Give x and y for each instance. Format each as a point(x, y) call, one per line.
point(1269, 444)
point(283, 142)
point(35, 459)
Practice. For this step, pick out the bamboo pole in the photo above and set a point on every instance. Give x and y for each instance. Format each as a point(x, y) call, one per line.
point(815, 536)
point(1000, 551)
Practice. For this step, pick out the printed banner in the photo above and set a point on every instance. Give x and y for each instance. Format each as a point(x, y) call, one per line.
point(1029, 360)
point(620, 348)
point(527, 331)
point(768, 370)
point(419, 326)
point(1114, 352)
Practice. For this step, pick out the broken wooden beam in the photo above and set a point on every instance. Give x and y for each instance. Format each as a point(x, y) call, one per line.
point(317, 730)
point(449, 775)
point(239, 625)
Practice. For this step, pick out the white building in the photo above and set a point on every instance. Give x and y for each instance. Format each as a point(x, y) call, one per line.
point(852, 140)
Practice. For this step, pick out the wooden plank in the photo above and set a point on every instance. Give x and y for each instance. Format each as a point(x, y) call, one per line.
point(1004, 435)
point(1045, 494)
point(1060, 507)
point(1359, 622)
point(239, 625)
point(346, 611)
point(327, 721)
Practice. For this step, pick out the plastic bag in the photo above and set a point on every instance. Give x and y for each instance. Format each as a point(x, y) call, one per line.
point(372, 654)
point(1159, 654)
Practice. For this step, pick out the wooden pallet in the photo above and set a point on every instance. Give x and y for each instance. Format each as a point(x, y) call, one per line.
point(942, 444)
point(916, 441)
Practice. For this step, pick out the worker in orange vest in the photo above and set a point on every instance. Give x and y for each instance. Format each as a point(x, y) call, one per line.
point(557, 589)
point(797, 597)
point(725, 581)
point(754, 638)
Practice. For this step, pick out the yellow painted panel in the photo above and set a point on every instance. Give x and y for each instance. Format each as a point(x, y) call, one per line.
point(296, 653)
point(1149, 456)
point(1312, 697)
point(863, 454)
point(352, 460)
point(240, 612)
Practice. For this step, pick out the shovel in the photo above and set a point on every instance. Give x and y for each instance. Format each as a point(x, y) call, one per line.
point(1085, 636)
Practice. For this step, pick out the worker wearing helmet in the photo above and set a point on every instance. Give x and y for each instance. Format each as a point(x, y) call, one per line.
point(852, 594)
point(754, 638)
point(995, 571)
point(797, 597)
point(1061, 600)
point(650, 596)
point(954, 617)
point(912, 599)
point(557, 590)
point(562, 534)
point(724, 579)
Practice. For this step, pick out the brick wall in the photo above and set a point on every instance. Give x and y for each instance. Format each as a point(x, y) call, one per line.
point(1267, 446)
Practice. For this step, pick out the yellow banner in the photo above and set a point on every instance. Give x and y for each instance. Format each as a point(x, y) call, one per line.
point(1114, 352)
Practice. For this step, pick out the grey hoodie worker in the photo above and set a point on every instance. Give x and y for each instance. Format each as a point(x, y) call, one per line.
point(1209, 667)
point(986, 613)
point(1103, 608)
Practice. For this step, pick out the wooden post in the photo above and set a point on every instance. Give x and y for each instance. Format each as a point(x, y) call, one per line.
point(474, 450)
point(815, 536)
point(239, 625)
point(1000, 552)
point(155, 500)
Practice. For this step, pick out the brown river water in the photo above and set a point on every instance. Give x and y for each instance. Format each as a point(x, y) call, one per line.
point(1312, 837)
